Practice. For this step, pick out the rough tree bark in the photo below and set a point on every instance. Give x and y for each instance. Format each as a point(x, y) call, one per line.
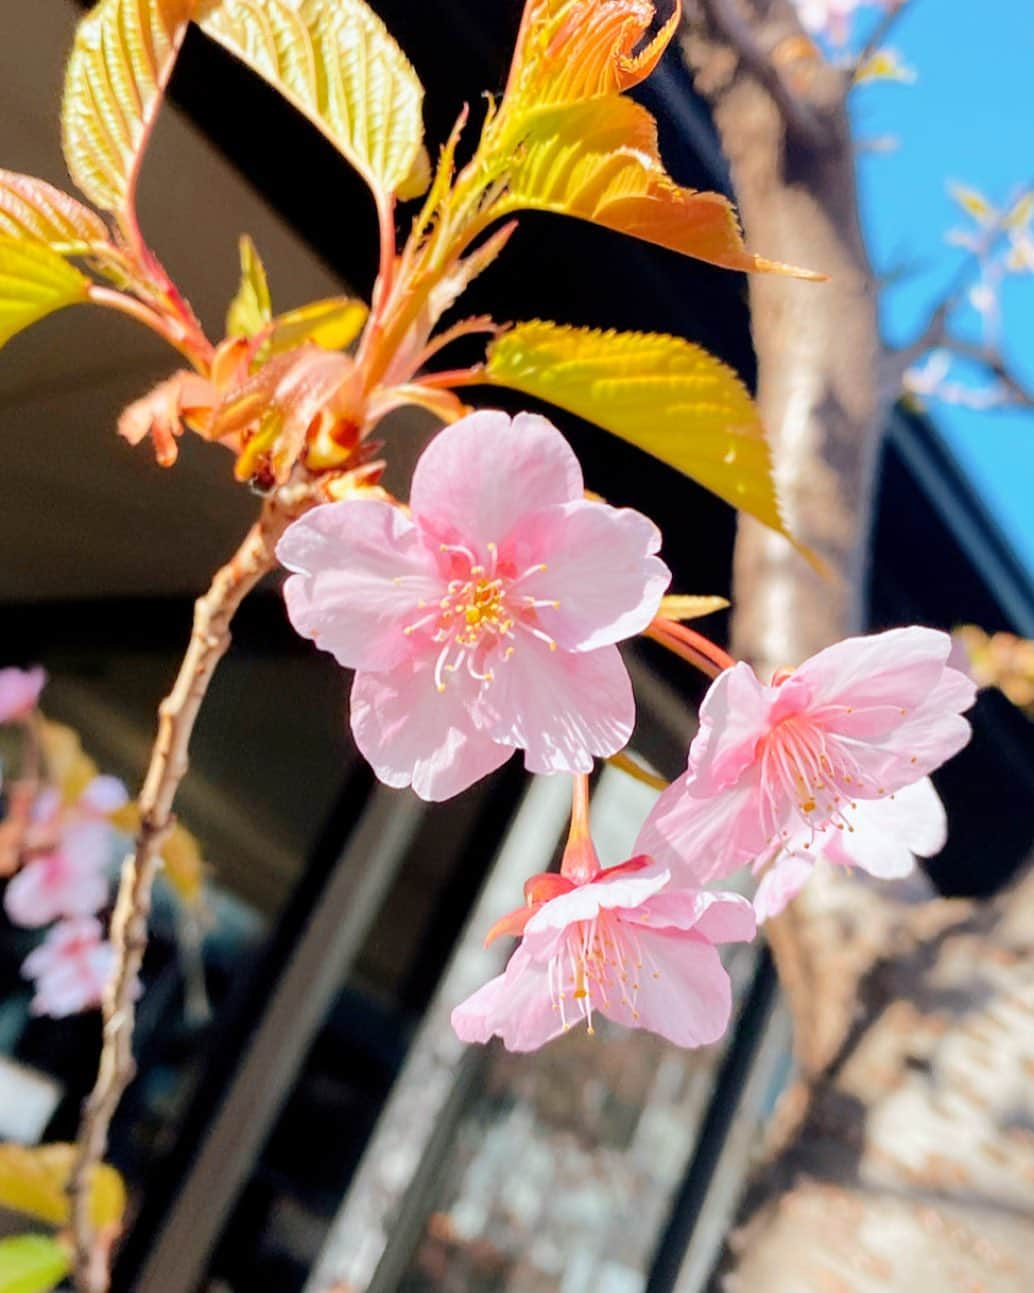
point(903, 1158)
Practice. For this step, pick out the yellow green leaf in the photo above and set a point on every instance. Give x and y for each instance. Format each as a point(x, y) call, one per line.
point(337, 63)
point(32, 1263)
point(682, 607)
point(33, 1180)
point(251, 309)
point(34, 281)
point(33, 209)
point(183, 865)
point(660, 393)
point(69, 767)
point(599, 160)
point(1020, 212)
point(333, 324)
point(121, 61)
point(973, 203)
point(571, 50)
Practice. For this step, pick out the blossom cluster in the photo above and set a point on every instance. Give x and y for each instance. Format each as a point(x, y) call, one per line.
point(64, 850)
point(484, 618)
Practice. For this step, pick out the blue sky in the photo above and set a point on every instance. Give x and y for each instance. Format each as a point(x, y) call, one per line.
point(968, 118)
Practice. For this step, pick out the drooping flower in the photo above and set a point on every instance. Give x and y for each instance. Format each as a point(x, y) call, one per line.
point(71, 968)
point(19, 691)
point(70, 880)
point(858, 721)
point(884, 839)
point(486, 619)
point(621, 942)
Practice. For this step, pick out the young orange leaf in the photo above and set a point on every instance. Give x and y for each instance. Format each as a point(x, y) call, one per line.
point(599, 160)
point(33, 1263)
point(660, 393)
point(34, 281)
point(33, 1181)
point(335, 61)
point(31, 208)
point(571, 50)
point(120, 64)
point(251, 309)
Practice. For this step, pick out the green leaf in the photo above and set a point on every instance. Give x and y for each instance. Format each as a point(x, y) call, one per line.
point(336, 62)
point(660, 393)
point(34, 281)
point(33, 209)
point(32, 1264)
point(251, 309)
point(687, 606)
point(333, 323)
point(121, 61)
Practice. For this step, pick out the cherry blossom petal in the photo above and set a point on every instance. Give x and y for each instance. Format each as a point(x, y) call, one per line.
point(562, 709)
point(734, 716)
point(600, 569)
point(480, 476)
point(516, 1006)
point(683, 991)
point(890, 833)
point(586, 901)
point(104, 795)
point(412, 734)
point(719, 917)
point(781, 883)
point(702, 839)
point(885, 670)
point(49, 888)
point(19, 691)
point(361, 571)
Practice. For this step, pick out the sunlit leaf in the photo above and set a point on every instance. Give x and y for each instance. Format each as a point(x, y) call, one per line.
point(682, 607)
point(599, 161)
point(973, 203)
point(34, 281)
point(333, 324)
point(183, 865)
point(1020, 212)
point(336, 62)
point(32, 1263)
point(251, 309)
point(32, 208)
point(121, 61)
point(571, 50)
point(885, 65)
point(660, 393)
point(33, 1180)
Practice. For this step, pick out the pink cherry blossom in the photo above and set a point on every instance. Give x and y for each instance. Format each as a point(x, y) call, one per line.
point(486, 620)
point(621, 942)
point(70, 880)
point(858, 721)
point(70, 967)
point(884, 839)
point(19, 691)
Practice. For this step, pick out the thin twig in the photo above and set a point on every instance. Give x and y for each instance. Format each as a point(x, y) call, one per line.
point(885, 25)
point(990, 357)
point(736, 30)
point(208, 643)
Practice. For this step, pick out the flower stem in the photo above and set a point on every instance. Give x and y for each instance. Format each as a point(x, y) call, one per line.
point(208, 643)
point(690, 646)
point(580, 863)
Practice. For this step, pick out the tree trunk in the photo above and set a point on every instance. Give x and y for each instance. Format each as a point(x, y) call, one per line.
point(902, 1159)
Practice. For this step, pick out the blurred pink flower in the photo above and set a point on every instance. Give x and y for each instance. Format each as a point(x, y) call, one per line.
point(622, 943)
point(858, 721)
point(487, 622)
point(68, 881)
point(19, 691)
point(884, 839)
point(70, 967)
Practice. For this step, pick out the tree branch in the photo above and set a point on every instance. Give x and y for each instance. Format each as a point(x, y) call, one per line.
point(739, 33)
point(169, 761)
